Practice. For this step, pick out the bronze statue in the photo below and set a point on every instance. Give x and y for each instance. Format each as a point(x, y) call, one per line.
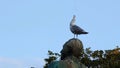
point(70, 54)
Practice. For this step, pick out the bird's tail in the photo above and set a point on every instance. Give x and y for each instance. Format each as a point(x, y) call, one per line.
point(84, 32)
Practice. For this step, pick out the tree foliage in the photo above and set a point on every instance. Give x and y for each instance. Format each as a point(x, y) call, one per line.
point(93, 59)
point(52, 57)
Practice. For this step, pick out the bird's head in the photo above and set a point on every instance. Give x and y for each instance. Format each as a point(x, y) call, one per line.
point(73, 20)
point(74, 16)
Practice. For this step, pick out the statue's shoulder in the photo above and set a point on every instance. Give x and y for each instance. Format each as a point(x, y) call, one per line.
point(57, 64)
point(53, 64)
point(66, 64)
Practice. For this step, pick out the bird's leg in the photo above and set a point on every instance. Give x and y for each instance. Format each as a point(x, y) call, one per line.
point(74, 35)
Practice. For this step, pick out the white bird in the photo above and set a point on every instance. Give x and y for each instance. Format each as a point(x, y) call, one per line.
point(76, 30)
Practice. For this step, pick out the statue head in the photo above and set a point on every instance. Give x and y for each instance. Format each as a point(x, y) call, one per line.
point(72, 47)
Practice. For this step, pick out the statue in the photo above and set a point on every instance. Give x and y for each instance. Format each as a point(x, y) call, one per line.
point(70, 54)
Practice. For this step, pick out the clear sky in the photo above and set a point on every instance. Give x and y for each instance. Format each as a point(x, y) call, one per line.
point(29, 28)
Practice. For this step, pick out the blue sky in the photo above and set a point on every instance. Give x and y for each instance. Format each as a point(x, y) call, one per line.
point(29, 28)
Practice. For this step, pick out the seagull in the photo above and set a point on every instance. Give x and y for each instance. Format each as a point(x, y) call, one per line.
point(76, 30)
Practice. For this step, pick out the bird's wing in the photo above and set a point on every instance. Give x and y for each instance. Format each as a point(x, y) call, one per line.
point(77, 28)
